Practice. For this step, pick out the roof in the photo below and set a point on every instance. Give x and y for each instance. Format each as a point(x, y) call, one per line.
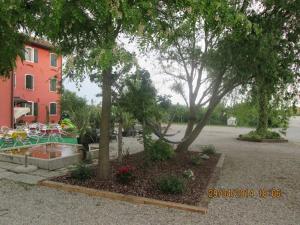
point(40, 43)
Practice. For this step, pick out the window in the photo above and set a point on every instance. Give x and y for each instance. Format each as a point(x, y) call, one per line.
point(53, 59)
point(52, 108)
point(29, 82)
point(29, 105)
point(53, 82)
point(31, 54)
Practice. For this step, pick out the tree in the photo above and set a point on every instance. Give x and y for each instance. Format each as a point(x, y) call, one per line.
point(274, 51)
point(90, 30)
point(139, 99)
point(195, 41)
point(16, 23)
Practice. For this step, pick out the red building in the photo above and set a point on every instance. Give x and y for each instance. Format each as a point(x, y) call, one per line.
point(34, 84)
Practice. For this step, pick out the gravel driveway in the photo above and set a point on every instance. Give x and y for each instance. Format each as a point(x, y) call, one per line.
point(247, 165)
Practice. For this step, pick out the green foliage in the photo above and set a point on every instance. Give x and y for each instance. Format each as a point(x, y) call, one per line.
point(180, 114)
point(218, 116)
point(208, 149)
point(255, 136)
point(196, 160)
point(171, 184)
point(139, 97)
point(161, 151)
point(85, 117)
point(14, 16)
point(81, 172)
point(245, 113)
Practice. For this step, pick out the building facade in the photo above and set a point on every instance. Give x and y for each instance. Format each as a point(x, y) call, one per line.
point(35, 84)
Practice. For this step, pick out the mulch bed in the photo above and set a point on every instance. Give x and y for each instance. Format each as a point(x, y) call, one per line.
point(145, 183)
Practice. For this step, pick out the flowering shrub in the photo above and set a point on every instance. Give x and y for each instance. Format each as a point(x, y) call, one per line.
point(125, 174)
point(188, 174)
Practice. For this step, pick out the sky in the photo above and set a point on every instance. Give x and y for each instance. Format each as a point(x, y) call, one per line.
point(160, 80)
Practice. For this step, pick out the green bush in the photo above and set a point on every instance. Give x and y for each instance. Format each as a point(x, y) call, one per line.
point(171, 184)
point(81, 172)
point(254, 136)
point(209, 150)
point(161, 151)
point(272, 135)
point(196, 160)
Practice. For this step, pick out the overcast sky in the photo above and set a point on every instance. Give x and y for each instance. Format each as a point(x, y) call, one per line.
point(149, 62)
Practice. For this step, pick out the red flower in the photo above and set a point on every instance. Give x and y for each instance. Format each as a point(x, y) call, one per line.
point(125, 169)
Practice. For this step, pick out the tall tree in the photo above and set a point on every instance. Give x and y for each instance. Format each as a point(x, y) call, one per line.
point(187, 35)
point(279, 47)
point(275, 54)
point(90, 29)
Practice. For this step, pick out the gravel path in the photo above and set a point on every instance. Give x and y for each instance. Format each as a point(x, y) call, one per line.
point(247, 165)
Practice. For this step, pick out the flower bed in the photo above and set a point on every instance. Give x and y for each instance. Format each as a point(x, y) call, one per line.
point(144, 181)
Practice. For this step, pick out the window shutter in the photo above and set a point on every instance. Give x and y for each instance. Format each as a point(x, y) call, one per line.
point(52, 108)
point(36, 109)
point(36, 55)
point(53, 84)
point(29, 82)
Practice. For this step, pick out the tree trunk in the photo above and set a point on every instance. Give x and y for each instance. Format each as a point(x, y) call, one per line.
point(263, 102)
point(120, 140)
point(104, 164)
point(191, 122)
point(184, 145)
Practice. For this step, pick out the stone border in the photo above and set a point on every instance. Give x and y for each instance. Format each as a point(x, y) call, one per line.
point(121, 197)
point(264, 140)
point(213, 180)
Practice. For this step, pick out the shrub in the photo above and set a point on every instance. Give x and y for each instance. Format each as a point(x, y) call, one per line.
point(171, 184)
point(209, 150)
point(254, 136)
point(81, 172)
point(125, 174)
point(161, 151)
point(188, 174)
point(196, 160)
point(272, 135)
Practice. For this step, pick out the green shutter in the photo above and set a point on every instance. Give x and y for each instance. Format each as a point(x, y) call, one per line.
point(53, 84)
point(52, 108)
point(36, 109)
point(29, 82)
point(36, 55)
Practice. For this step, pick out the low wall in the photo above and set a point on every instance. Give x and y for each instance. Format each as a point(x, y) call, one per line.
point(48, 164)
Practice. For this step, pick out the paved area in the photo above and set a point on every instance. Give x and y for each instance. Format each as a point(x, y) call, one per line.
point(247, 165)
